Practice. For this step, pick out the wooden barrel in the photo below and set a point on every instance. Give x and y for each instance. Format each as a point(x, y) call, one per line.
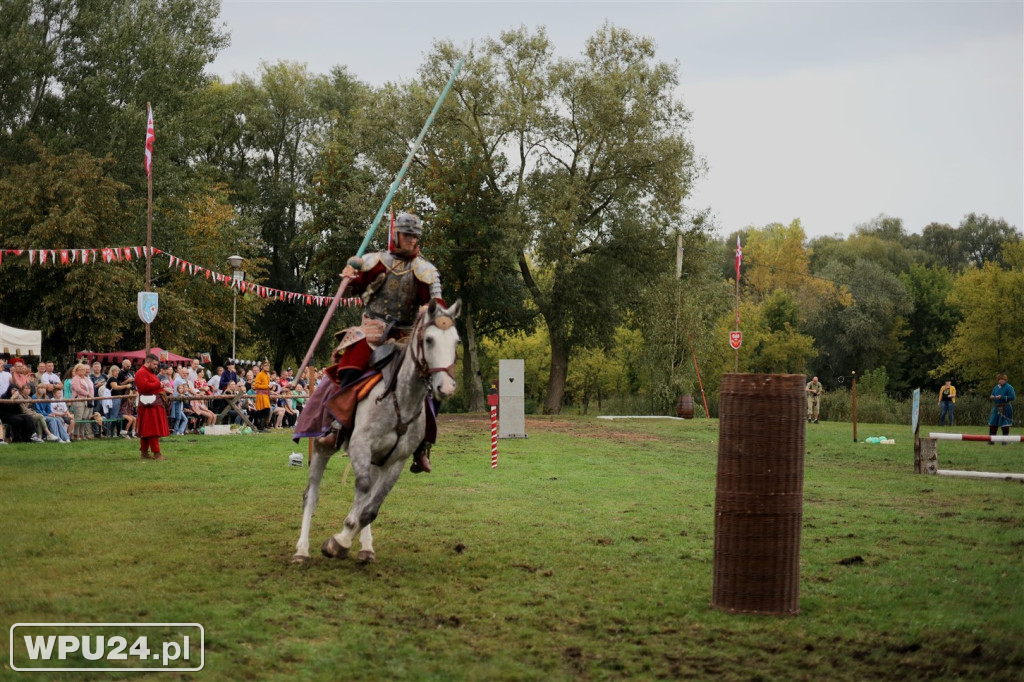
point(684, 408)
point(759, 493)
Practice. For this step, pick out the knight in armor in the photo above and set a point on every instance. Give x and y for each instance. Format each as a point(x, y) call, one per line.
point(394, 284)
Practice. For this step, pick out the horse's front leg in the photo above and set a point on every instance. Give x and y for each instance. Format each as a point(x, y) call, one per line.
point(317, 465)
point(338, 545)
point(371, 489)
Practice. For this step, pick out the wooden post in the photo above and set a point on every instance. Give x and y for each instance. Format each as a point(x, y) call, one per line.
point(310, 381)
point(926, 456)
point(855, 409)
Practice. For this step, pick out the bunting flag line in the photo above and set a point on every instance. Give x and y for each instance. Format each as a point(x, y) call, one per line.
point(129, 254)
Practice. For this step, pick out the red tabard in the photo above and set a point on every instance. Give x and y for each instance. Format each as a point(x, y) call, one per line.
point(152, 418)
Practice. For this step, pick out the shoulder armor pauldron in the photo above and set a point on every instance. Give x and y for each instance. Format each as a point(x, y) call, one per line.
point(370, 261)
point(425, 271)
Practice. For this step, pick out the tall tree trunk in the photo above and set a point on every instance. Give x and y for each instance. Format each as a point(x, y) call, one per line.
point(559, 371)
point(471, 378)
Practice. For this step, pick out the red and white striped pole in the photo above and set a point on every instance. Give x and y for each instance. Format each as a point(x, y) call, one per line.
point(494, 437)
point(975, 437)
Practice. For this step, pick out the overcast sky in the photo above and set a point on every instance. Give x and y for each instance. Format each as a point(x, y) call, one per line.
point(831, 112)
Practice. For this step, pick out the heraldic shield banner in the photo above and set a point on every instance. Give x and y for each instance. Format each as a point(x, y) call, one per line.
point(148, 305)
point(736, 340)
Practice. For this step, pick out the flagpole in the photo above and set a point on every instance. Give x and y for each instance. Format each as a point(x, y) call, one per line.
point(736, 363)
point(739, 259)
point(149, 226)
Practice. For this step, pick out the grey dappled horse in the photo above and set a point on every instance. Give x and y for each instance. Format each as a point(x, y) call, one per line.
point(387, 429)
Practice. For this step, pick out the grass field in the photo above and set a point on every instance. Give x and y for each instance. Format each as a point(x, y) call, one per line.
point(587, 554)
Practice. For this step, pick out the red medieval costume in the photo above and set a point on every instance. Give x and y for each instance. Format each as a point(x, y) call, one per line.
point(152, 422)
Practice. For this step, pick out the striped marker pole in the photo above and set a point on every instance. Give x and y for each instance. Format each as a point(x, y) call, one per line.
point(494, 437)
point(971, 436)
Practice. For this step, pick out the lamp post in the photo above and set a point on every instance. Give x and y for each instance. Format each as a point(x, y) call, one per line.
point(239, 276)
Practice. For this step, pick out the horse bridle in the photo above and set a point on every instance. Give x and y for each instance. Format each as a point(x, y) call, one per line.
point(419, 357)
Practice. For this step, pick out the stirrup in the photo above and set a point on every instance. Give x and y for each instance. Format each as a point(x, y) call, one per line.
point(332, 439)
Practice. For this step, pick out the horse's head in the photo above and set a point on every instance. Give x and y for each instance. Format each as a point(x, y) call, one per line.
point(438, 344)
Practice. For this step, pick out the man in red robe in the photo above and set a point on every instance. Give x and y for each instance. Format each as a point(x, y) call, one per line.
point(152, 421)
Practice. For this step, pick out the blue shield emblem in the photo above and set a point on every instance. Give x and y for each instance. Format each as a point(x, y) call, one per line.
point(148, 305)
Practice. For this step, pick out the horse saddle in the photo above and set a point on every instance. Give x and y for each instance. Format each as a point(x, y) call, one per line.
point(382, 368)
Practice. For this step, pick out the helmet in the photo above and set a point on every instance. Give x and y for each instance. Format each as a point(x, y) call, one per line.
point(409, 223)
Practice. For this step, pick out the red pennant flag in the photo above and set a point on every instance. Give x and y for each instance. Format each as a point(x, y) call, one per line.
point(150, 137)
point(739, 257)
point(391, 232)
point(137, 254)
point(127, 254)
point(64, 257)
point(183, 265)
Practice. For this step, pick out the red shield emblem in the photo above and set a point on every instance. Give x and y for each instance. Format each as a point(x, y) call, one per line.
point(736, 339)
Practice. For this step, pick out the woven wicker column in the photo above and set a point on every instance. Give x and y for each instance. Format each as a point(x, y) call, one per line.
point(759, 494)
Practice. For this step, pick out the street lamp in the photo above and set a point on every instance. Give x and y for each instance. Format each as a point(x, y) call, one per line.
point(239, 276)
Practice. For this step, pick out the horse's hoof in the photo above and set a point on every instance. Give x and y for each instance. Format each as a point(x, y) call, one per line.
point(300, 560)
point(366, 557)
point(332, 549)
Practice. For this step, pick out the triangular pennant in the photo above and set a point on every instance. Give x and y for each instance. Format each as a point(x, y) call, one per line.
point(31, 257)
point(127, 254)
point(64, 259)
point(183, 265)
point(137, 254)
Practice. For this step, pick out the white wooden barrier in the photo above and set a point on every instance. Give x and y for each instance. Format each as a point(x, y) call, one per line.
point(927, 457)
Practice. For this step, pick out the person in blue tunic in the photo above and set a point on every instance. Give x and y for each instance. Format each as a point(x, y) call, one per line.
point(1002, 398)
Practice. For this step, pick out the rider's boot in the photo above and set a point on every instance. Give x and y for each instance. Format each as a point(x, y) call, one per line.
point(421, 459)
point(333, 438)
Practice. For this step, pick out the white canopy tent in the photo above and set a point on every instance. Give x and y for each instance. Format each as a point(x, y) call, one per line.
point(14, 341)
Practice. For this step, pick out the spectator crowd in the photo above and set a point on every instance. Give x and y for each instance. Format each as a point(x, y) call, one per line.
point(92, 401)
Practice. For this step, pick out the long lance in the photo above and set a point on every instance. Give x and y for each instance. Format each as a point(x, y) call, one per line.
point(376, 220)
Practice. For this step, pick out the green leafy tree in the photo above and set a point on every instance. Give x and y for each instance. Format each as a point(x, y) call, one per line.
point(942, 243)
point(931, 324)
point(990, 337)
point(65, 202)
point(866, 330)
point(591, 157)
point(982, 238)
point(677, 317)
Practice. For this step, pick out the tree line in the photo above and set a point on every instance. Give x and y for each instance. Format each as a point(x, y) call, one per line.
point(554, 189)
